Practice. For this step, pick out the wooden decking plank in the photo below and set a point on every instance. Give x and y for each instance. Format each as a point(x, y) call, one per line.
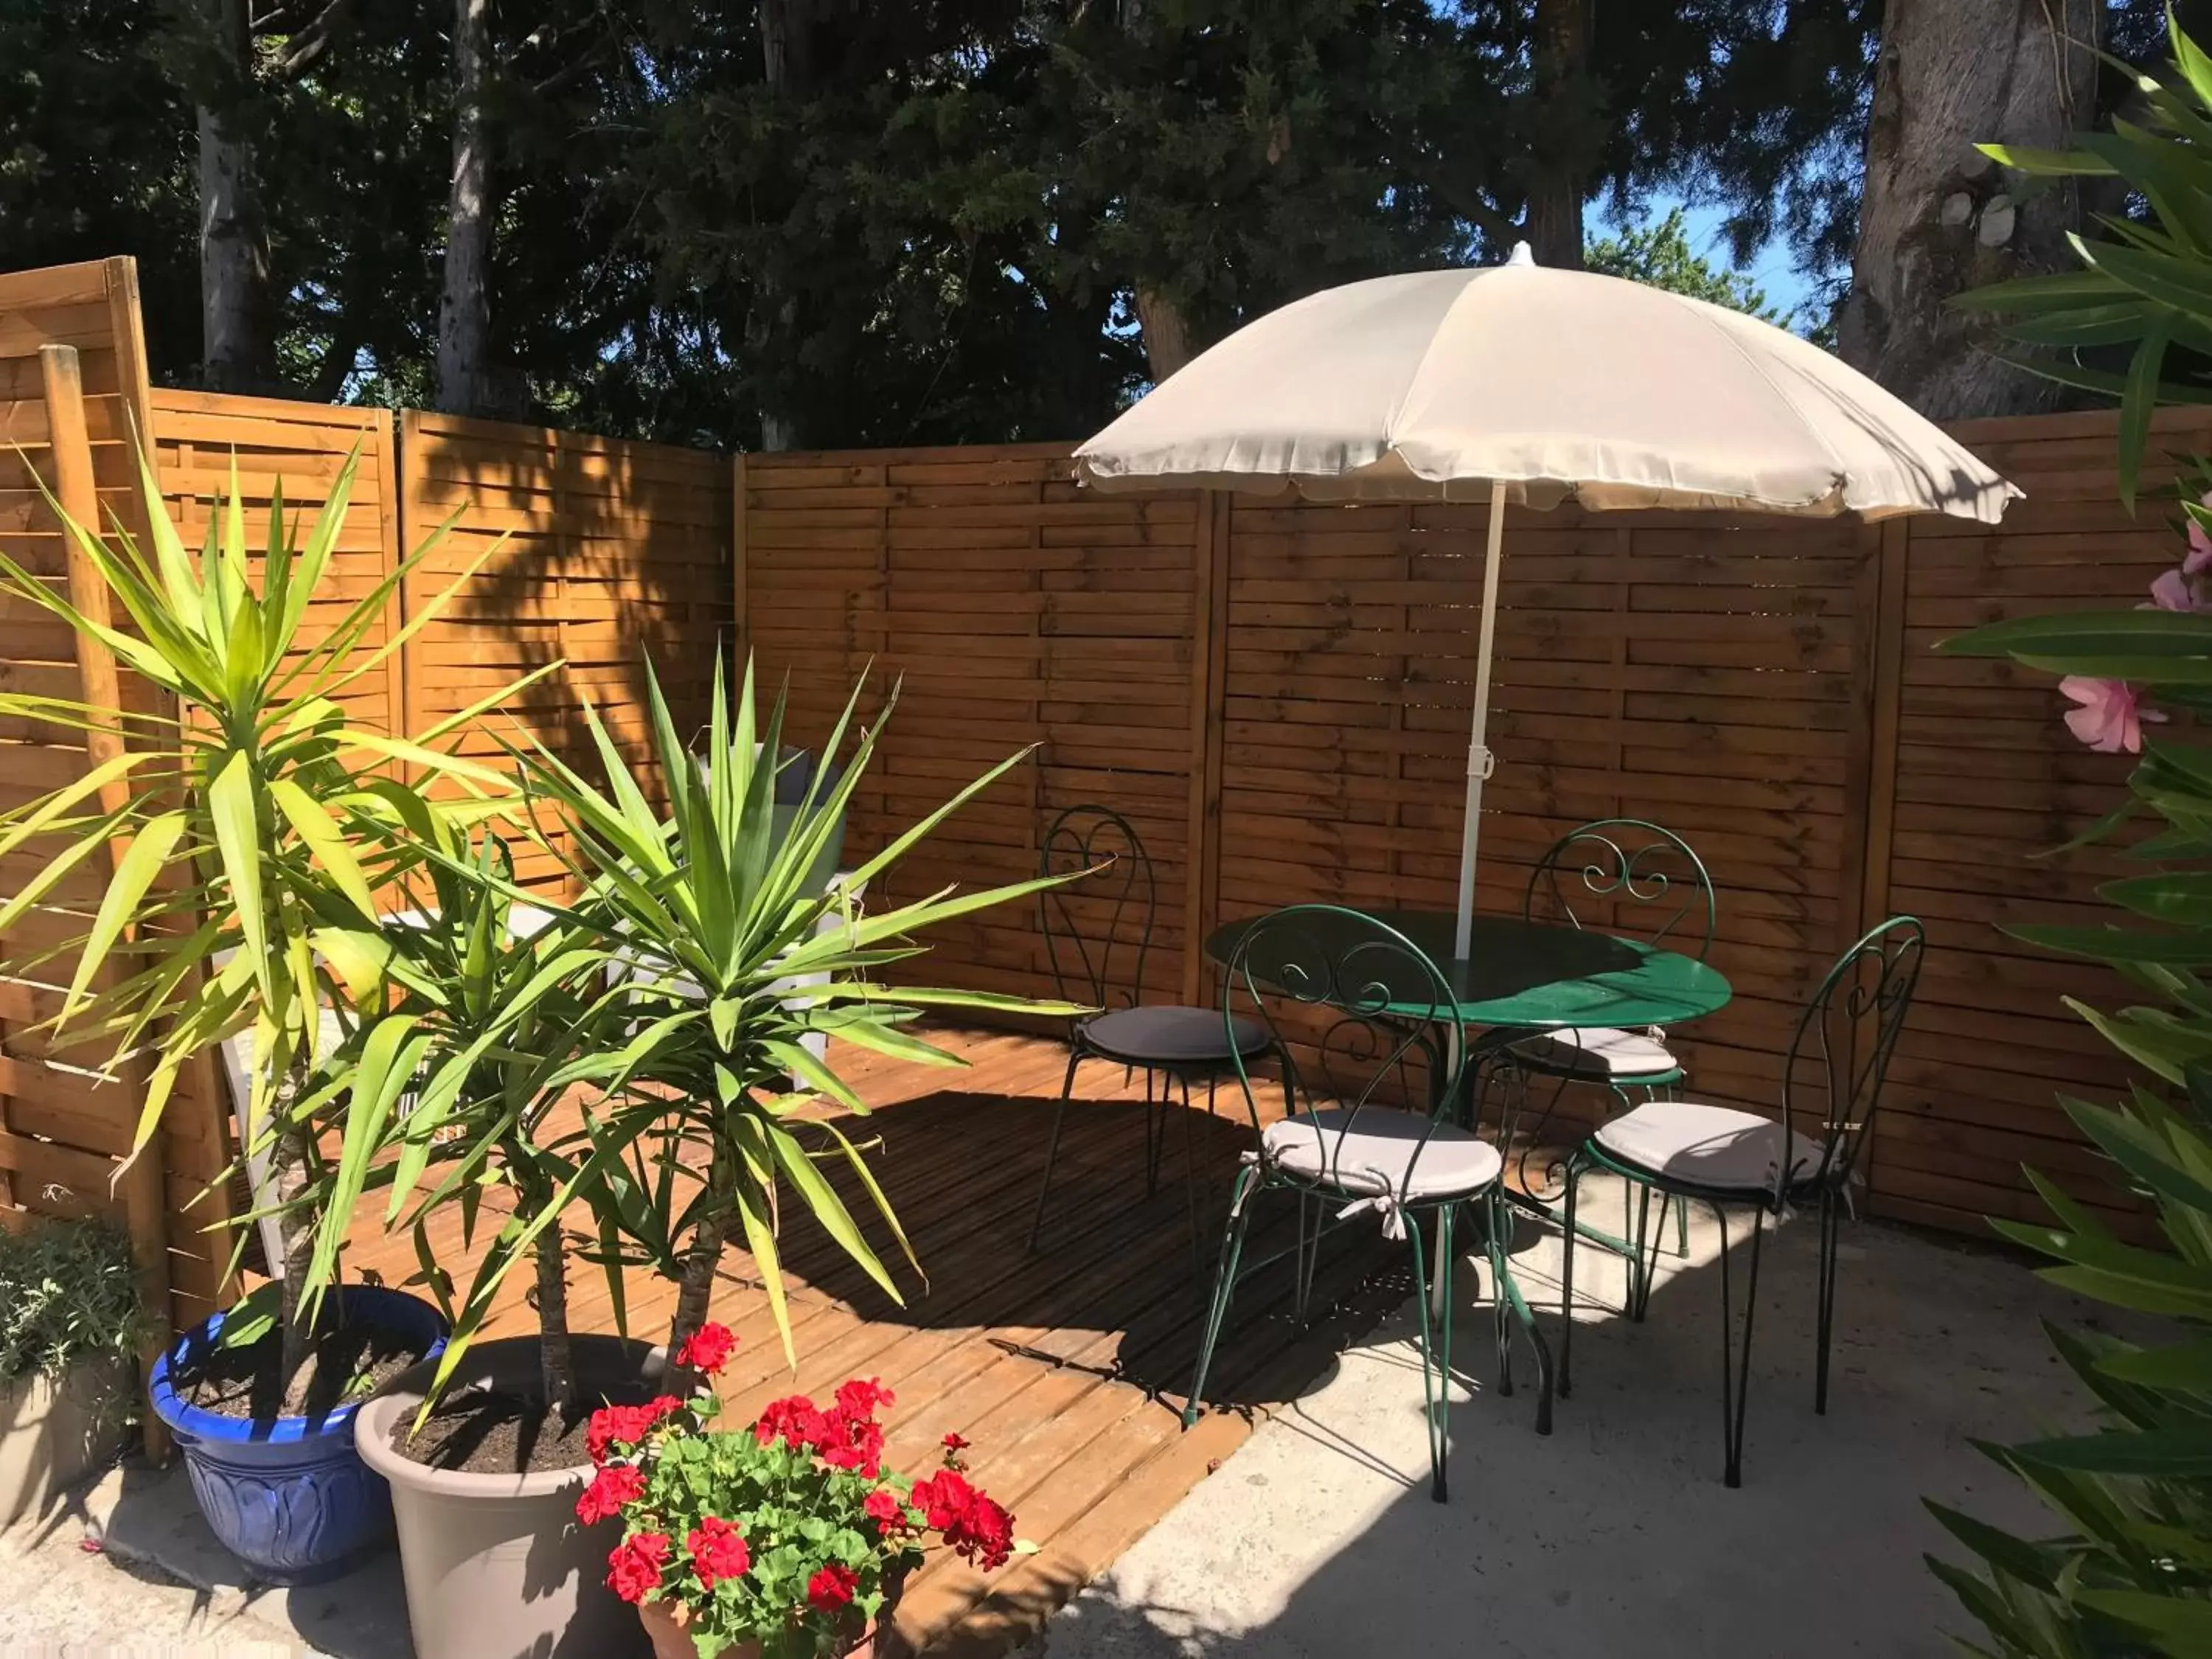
point(1064, 1366)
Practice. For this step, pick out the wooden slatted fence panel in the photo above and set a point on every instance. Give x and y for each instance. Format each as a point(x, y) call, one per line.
point(1011, 610)
point(1762, 686)
point(297, 448)
point(1988, 782)
point(607, 552)
point(67, 1113)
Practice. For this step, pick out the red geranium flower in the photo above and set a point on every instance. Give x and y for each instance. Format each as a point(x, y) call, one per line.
point(884, 1508)
point(794, 1421)
point(625, 1426)
point(634, 1568)
point(717, 1551)
point(944, 1499)
point(860, 1398)
point(955, 1443)
point(854, 1443)
point(611, 1487)
point(831, 1588)
point(707, 1350)
point(984, 1535)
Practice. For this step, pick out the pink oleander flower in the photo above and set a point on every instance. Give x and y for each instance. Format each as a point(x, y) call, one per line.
point(2198, 559)
point(2112, 713)
point(2175, 590)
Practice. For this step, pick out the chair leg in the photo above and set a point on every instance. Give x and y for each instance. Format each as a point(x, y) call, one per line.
point(1052, 1146)
point(1310, 1223)
point(1224, 1285)
point(1502, 1217)
point(1567, 1283)
point(1435, 1344)
point(1736, 1372)
point(1831, 1226)
point(1501, 1305)
point(1156, 1134)
point(1644, 1260)
point(1190, 1188)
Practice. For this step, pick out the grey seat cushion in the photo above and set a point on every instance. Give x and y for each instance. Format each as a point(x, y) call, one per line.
point(1379, 1150)
point(1605, 1051)
point(1169, 1034)
point(1715, 1147)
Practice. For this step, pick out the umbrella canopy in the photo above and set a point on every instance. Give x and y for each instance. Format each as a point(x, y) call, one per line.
point(1558, 384)
point(1519, 384)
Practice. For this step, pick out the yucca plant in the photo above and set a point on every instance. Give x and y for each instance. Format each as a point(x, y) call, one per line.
point(256, 826)
point(709, 914)
point(499, 1022)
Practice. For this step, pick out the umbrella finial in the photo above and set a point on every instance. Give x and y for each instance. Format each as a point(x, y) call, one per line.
point(1521, 255)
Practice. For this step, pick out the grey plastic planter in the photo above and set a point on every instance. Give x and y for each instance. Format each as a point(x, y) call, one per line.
point(55, 1428)
point(496, 1565)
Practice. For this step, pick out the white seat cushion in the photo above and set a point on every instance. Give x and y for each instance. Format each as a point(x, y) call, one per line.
point(1599, 1051)
point(1715, 1147)
point(1374, 1154)
point(1166, 1035)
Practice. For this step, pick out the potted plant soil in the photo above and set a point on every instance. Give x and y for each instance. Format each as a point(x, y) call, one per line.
point(666, 992)
point(251, 828)
point(69, 1339)
point(784, 1540)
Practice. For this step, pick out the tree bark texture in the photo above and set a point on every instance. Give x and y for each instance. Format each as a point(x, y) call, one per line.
point(289, 1174)
point(695, 1289)
point(464, 302)
point(1937, 217)
point(1166, 331)
point(555, 1361)
point(1564, 133)
point(233, 246)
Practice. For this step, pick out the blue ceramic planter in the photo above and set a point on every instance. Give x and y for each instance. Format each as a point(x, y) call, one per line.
point(291, 1498)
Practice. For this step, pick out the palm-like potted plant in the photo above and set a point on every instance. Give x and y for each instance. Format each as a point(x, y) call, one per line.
point(483, 1447)
point(256, 828)
point(735, 953)
point(696, 924)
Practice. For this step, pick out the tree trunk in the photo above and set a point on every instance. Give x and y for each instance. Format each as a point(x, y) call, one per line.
point(697, 1288)
point(1166, 331)
point(289, 1174)
point(464, 303)
point(1935, 218)
point(1564, 133)
point(234, 248)
point(556, 1365)
point(786, 34)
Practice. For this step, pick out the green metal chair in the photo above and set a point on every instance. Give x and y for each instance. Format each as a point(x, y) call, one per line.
point(1098, 934)
point(1831, 1081)
point(1367, 1124)
point(1639, 880)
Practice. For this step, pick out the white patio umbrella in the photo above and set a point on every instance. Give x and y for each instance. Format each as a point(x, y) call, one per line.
point(1514, 383)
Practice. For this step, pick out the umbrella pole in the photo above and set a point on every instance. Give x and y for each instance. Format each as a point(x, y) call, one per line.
point(1480, 760)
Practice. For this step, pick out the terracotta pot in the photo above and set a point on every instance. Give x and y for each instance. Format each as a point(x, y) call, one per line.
point(496, 1565)
point(667, 1625)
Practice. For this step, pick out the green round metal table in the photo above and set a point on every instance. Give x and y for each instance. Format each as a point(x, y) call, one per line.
point(1522, 975)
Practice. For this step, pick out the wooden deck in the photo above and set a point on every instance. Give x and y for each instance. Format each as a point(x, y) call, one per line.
point(1067, 1368)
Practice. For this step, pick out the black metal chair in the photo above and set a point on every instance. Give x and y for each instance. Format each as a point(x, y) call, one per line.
point(1097, 932)
point(1832, 1080)
point(1367, 1126)
point(1638, 880)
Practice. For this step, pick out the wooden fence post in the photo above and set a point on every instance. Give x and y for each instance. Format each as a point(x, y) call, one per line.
point(741, 641)
point(140, 1184)
point(1870, 804)
point(1209, 668)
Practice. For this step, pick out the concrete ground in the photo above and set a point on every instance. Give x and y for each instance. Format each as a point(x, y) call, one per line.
point(126, 1568)
point(1318, 1539)
point(1615, 1535)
